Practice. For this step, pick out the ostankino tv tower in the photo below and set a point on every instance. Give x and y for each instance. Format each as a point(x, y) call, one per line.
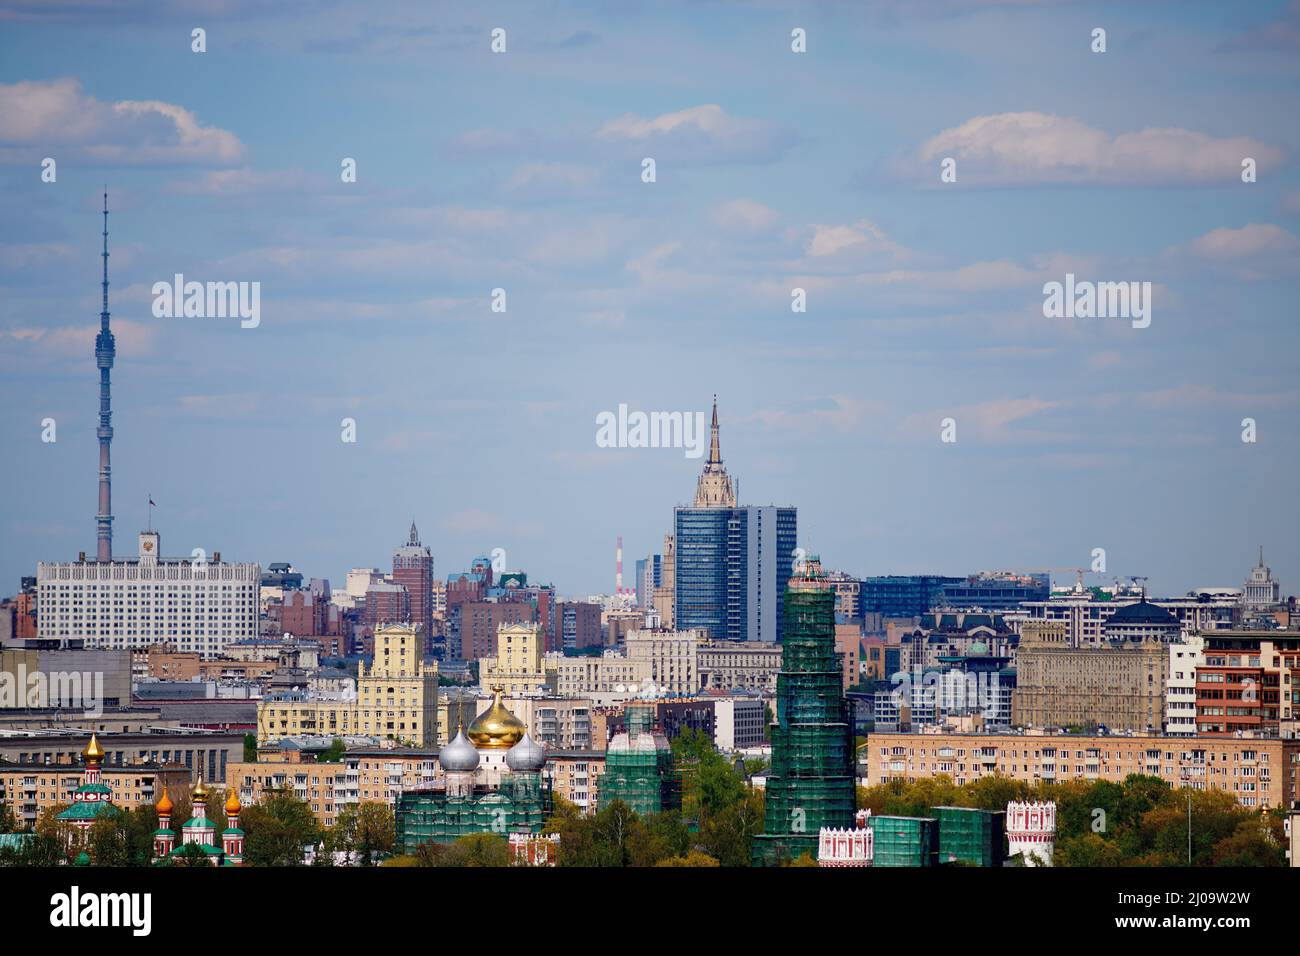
point(104, 352)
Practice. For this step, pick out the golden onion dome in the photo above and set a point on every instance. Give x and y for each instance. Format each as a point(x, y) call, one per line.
point(232, 803)
point(165, 804)
point(200, 792)
point(496, 728)
point(93, 750)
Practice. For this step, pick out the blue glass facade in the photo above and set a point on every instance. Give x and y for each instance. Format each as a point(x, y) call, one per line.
point(993, 594)
point(910, 595)
point(732, 565)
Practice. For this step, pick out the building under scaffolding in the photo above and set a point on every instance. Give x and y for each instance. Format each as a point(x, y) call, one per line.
point(518, 805)
point(492, 784)
point(811, 784)
point(639, 766)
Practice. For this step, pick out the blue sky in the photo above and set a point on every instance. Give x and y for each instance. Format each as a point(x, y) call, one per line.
point(774, 170)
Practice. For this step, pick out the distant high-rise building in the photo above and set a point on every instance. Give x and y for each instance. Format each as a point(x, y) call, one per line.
point(481, 621)
point(578, 624)
point(386, 603)
point(730, 564)
point(1260, 589)
point(731, 567)
point(413, 569)
point(665, 595)
point(649, 575)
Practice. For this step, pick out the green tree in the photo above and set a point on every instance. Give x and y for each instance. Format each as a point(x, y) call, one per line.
point(598, 840)
point(37, 850)
point(727, 835)
point(106, 840)
point(1251, 844)
point(8, 822)
point(334, 752)
point(710, 781)
point(277, 829)
point(191, 854)
point(1090, 849)
point(477, 849)
point(367, 829)
point(657, 837)
point(250, 748)
point(993, 793)
point(693, 858)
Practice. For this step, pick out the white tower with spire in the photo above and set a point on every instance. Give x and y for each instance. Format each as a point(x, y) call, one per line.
point(714, 489)
point(1260, 589)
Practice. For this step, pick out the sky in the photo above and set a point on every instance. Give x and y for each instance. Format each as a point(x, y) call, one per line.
point(523, 171)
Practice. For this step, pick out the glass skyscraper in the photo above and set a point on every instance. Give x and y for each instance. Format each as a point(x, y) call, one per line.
point(732, 565)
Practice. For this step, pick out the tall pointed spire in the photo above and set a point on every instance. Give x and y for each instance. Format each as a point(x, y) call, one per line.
point(714, 489)
point(413, 539)
point(105, 349)
point(715, 448)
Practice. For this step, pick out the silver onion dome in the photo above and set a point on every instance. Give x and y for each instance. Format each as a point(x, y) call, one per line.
point(459, 755)
point(526, 756)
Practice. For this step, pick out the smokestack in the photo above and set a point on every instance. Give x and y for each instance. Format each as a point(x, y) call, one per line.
point(618, 566)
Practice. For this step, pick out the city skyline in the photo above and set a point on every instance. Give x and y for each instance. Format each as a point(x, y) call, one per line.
point(376, 295)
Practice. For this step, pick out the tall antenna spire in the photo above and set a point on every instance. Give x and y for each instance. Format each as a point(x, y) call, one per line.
point(715, 448)
point(105, 349)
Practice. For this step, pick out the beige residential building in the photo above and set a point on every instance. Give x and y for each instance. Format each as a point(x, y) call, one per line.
point(1118, 685)
point(1259, 773)
point(673, 657)
point(371, 775)
point(520, 664)
point(555, 722)
point(725, 665)
point(397, 698)
point(457, 706)
point(381, 776)
point(324, 787)
point(665, 596)
point(573, 775)
point(610, 673)
point(29, 789)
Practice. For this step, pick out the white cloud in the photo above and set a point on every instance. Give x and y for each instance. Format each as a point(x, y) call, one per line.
point(1024, 148)
point(39, 118)
point(860, 238)
point(78, 342)
point(246, 181)
point(744, 216)
point(990, 421)
point(1255, 239)
point(702, 134)
point(839, 412)
point(553, 179)
point(711, 119)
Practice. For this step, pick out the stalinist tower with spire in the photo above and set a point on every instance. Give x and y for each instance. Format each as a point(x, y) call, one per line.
point(714, 488)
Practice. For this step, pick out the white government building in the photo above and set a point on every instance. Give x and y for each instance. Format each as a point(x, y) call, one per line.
point(195, 604)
